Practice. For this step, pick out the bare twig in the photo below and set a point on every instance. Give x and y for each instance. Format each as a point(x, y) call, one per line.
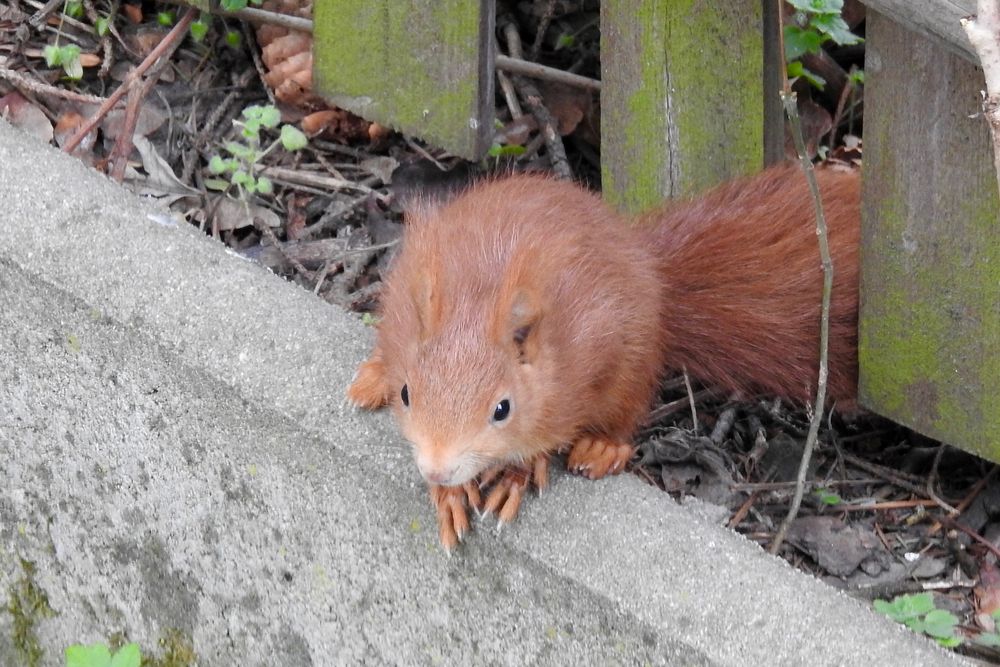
point(39, 88)
point(788, 99)
point(164, 49)
point(536, 71)
point(983, 32)
point(547, 125)
point(694, 409)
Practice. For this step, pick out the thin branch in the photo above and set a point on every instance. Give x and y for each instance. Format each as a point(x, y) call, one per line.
point(164, 49)
point(788, 99)
point(983, 32)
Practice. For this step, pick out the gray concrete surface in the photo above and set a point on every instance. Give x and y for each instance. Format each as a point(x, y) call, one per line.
point(175, 452)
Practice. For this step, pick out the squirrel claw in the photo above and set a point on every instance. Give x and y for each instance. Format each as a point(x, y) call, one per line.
point(595, 457)
point(453, 520)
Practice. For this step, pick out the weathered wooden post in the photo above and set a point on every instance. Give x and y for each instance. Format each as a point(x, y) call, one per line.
point(930, 293)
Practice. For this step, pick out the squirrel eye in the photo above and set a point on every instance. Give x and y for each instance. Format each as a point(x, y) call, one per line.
point(404, 395)
point(501, 411)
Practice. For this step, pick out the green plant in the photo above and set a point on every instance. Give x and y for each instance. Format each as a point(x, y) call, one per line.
point(166, 18)
point(199, 28)
point(510, 150)
point(233, 39)
point(918, 613)
point(242, 167)
point(73, 8)
point(99, 655)
point(102, 26)
point(815, 23)
point(236, 5)
point(67, 56)
point(828, 497)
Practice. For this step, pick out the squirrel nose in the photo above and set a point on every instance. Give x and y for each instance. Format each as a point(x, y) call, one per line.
point(440, 473)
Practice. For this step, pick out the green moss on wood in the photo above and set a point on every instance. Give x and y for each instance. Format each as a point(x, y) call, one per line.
point(929, 346)
point(413, 66)
point(683, 106)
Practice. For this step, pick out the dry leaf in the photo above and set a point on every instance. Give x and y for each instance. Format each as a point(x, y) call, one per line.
point(25, 116)
point(230, 213)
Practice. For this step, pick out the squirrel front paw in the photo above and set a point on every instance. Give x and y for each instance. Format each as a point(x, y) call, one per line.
point(368, 389)
point(508, 484)
point(595, 457)
point(451, 503)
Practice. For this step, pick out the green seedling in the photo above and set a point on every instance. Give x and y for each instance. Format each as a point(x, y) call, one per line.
point(166, 19)
point(918, 613)
point(242, 168)
point(102, 26)
point(199, 29)
point(99, 655)
point(815, 23)
point(73, 9)
point(233, 39)
point(67, 57)
point(511, 150)
point(236, 5)
point(828, 497)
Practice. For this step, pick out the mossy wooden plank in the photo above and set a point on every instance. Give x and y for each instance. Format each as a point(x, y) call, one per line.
point(930, 292)
point(682, 101)
point(424, 67)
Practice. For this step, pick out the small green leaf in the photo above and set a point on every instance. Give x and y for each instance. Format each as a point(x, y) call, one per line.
point(988, 639)
point(264, 185)
point(949, 642)
point(199, 29)
point(217, 165)
point(857, 77)
point(270, 116)
point(94, 655)
point(127, 656)
point(240, 177)
point(836, 27)
point(818, 6)
point(828, 497)
point(166, 19)
point(940, 623)
point(503, 151)
point(241, 151)
point(53, 55)
point(101, 26)
point(799, 41)
point(71, 62)
point(233, 5)
point(797, 69)
point(565, 42)
point(216, 184)
point(73, 8)
point(292, 138)
point(233, 38)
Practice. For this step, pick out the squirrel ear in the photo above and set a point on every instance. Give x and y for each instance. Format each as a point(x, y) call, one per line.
point(523, 320)
point(426, 294)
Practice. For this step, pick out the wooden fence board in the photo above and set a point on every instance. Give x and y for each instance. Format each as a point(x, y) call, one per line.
point(682, 101)
point(424, 67)
point(930, 292)
point(937, 19)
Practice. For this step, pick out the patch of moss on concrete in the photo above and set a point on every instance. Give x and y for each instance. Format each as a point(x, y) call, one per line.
point(178, 651)
point(27, 604)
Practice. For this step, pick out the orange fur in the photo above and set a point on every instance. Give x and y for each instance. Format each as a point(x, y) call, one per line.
point(743, 282)
point(533, 291)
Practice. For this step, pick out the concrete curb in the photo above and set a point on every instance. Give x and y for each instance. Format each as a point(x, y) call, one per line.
point(177, 454)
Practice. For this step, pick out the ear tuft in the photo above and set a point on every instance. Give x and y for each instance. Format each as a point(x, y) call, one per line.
point(523, 321)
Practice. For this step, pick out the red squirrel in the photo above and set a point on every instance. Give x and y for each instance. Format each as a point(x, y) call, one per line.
point(526, 317)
